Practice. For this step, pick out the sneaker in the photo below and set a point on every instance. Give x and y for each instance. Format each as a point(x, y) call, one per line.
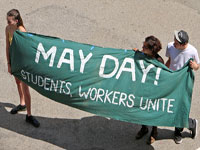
point(18, 108)
point(32, 120)
point(177, 137)
point(194, 130)
point(108, 118)
point(141, 133)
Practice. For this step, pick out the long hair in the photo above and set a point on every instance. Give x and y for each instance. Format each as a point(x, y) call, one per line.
point(15, 13)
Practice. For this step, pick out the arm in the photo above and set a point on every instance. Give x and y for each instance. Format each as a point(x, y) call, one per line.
point(7, 50)
point(135, 49)
point(167, 54)
point(22, 29)
point(194, 65)
point(168, 62)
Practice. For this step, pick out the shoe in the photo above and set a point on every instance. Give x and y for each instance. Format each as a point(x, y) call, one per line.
point(18, 108)
point(108, 118)
point(177, 137)
point(194, 130)
point(141, 133)
point(32, 120)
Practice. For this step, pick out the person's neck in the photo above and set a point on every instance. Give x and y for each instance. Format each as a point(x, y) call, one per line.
point(13, 27)
point(184, 46)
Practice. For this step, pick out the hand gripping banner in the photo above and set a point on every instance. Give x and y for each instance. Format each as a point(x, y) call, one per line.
point(116, 83)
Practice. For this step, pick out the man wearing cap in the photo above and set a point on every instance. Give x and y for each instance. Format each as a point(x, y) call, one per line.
point(178, 53)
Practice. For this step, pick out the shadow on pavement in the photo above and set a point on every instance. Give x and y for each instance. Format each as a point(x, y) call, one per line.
point(89, 133)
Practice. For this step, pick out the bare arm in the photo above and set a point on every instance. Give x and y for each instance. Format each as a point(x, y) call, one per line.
point(168, 62)
point(194, 65)
point(7, 50)
point(7, 46)
point(135, 49)
point(22, 29)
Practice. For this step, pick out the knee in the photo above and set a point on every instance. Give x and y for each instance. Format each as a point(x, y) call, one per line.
point(18, 82)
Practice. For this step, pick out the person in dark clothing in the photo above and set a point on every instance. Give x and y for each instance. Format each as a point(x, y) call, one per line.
point(151, 47)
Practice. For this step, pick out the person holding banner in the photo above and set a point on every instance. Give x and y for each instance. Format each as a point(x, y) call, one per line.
point(151, 47)
point(178, 53)
point(15, 23)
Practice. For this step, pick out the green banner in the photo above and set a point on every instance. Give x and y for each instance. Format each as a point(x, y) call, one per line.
point(116, 83)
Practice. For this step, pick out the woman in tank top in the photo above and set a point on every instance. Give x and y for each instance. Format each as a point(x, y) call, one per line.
point(15, 23)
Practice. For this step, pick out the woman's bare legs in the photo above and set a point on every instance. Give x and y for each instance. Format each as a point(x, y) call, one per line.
point(25, 102)
point(19, 88)
point(29, 118)
point(22, 106)
point(27, 97)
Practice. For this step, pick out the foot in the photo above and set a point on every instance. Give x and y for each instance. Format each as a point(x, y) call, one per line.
point(177, 137)
point(141, 133)
point(32, 120)
point(151, 140)
point(18, 108)
point(194, 130)
point(153, 137)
